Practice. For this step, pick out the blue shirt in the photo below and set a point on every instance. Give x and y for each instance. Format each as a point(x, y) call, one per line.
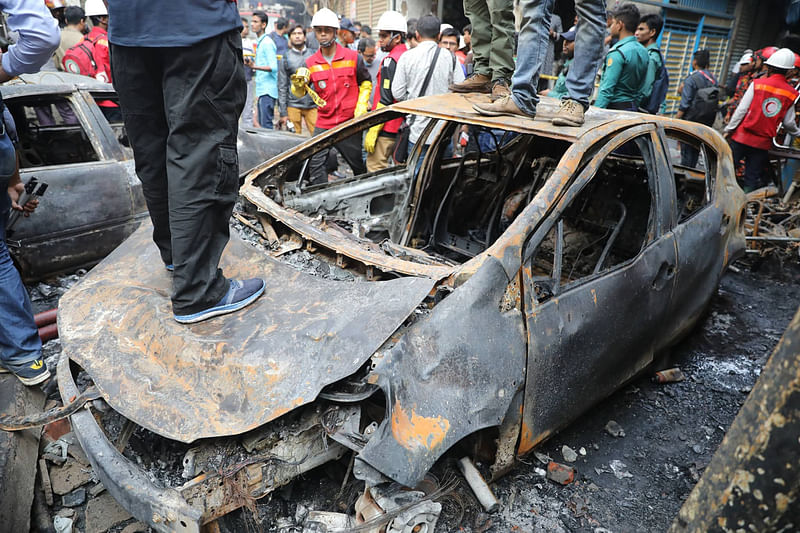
point(156, 24)
point(39, 36)
point(266, 56)
point(281, 44)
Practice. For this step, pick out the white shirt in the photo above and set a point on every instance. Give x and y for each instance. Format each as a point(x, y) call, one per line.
point(412, 69)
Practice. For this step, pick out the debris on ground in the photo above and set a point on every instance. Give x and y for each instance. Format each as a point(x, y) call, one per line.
point(560, 473)
point(569, 454)
point(772, 224)
point(671, 375)
point(614, 429)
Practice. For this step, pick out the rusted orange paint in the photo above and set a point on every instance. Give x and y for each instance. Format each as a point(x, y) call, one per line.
point(416, 431)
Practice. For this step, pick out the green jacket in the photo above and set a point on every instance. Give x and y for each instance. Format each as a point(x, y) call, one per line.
point(653, 66)
point(560, 88)
point(624, 70)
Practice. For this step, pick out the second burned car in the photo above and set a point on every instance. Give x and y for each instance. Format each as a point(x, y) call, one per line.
point(492, 293)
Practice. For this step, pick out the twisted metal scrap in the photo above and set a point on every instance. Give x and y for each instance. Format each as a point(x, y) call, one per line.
point(19, 423)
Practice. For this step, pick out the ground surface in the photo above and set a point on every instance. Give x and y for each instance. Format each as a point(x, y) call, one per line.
point(636, 482)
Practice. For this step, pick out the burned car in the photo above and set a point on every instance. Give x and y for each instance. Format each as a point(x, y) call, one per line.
point(72, 138)
point(480, 294)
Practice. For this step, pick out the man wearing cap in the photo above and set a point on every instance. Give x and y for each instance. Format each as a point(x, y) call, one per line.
point(380, 139)
point(767, 103)
point(347, 33)
point(340, 77)
point(559, 90)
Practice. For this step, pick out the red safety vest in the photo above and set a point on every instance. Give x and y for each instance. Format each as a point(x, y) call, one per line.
point(335, 83)
point(772, 97)
point(393, 125)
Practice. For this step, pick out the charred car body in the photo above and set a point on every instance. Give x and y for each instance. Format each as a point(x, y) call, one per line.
point(491, 295)
point(72, 138)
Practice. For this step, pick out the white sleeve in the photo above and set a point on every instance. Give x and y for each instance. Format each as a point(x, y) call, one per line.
point(741, 109)
point(789, 123)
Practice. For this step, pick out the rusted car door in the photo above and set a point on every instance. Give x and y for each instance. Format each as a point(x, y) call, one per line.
point(590, 331)
point(700, 227)
point(75, 156)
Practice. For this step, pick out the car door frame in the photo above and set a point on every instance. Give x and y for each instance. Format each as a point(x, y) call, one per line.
point(551, 398)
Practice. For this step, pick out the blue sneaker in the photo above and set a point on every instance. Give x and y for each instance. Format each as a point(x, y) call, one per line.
point(170, 267)
point(240, 294)
point(30, 373)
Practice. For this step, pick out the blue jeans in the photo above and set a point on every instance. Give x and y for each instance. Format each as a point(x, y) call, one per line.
point(266, 110)
point(532, 50)
point(19, 337)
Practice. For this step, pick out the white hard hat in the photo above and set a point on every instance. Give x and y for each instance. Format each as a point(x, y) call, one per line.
point(325, 18)
point(783, 58)
point(445, 26)
point(392, 21)
point(95, 8)
point(746, 58)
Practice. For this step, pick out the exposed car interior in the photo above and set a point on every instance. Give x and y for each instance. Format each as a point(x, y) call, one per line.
point(693, 183)
point(49, 132)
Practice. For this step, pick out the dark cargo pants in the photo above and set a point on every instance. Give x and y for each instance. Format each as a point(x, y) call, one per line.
point(181, 108)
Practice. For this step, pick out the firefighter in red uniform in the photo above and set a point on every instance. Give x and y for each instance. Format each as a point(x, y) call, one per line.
point(342, 80)
point(97, 13)
point(380, 139)
point(768, 102)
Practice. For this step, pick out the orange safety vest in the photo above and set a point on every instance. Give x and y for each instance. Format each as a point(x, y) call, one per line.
point(772, 97)
point(336, 83)
point(393, 125)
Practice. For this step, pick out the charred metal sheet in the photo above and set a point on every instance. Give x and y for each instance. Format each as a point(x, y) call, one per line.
point(753, 480)
point(232, 373)
point(333, 240)
point(453, 373)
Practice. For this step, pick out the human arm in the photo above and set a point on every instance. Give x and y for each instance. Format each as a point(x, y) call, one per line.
point(653, 65)
point(609, 79)
point(15, 190)
point(688, 91)
point(102, 58)
point(266, 56)
point(39, 37)
point(283, 87)
point(388, 69)
point(789, 123)
point(741, 110)
point(400, 81)
point(364, 87)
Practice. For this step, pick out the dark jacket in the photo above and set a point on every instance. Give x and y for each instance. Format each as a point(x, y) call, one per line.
point(292, 61)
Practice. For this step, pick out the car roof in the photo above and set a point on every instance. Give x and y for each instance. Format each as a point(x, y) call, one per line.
point(459, 107)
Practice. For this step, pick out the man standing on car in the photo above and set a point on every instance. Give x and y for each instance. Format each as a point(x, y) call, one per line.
point(181, 85)
point(292, 108)
point(340, 77)
point(380, 139)
point(767, 103)
point(20, 346)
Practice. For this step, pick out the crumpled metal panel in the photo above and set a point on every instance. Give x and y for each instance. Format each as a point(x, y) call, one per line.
point(233, 373)
point(450, 375)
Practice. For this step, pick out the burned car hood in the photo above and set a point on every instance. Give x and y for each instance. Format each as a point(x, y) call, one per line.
point(232, 373)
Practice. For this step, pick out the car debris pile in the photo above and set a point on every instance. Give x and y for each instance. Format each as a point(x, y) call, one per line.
point(772, 225)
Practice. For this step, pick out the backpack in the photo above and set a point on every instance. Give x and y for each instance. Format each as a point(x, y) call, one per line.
point(703, 108)
point(660, 87)
point(80, 58)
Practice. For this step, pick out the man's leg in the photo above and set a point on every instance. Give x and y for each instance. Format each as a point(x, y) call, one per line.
point(204, 92)
point(501, 47)
point(755, 162)
point(317, 165)
point(477, 11)
point(689, 156)
point(20, 346)
point(310, 116)
point(266, 111)
point(296, 118)
point(137, 80)
point(246, 119)
point(350, 148)
point(379, 159)
point(588, 53)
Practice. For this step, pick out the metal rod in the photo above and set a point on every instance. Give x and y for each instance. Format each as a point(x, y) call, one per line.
point(774, 239)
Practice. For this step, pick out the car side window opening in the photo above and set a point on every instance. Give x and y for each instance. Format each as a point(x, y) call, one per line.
point(49, 132)
point(109, 106)
point(606, 225)
point(478, 188)
point(694, 164)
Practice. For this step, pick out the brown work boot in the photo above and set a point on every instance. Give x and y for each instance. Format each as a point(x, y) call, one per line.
point(503, 106)
point(477, 83)
point(500, 89)
point(569, 114)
